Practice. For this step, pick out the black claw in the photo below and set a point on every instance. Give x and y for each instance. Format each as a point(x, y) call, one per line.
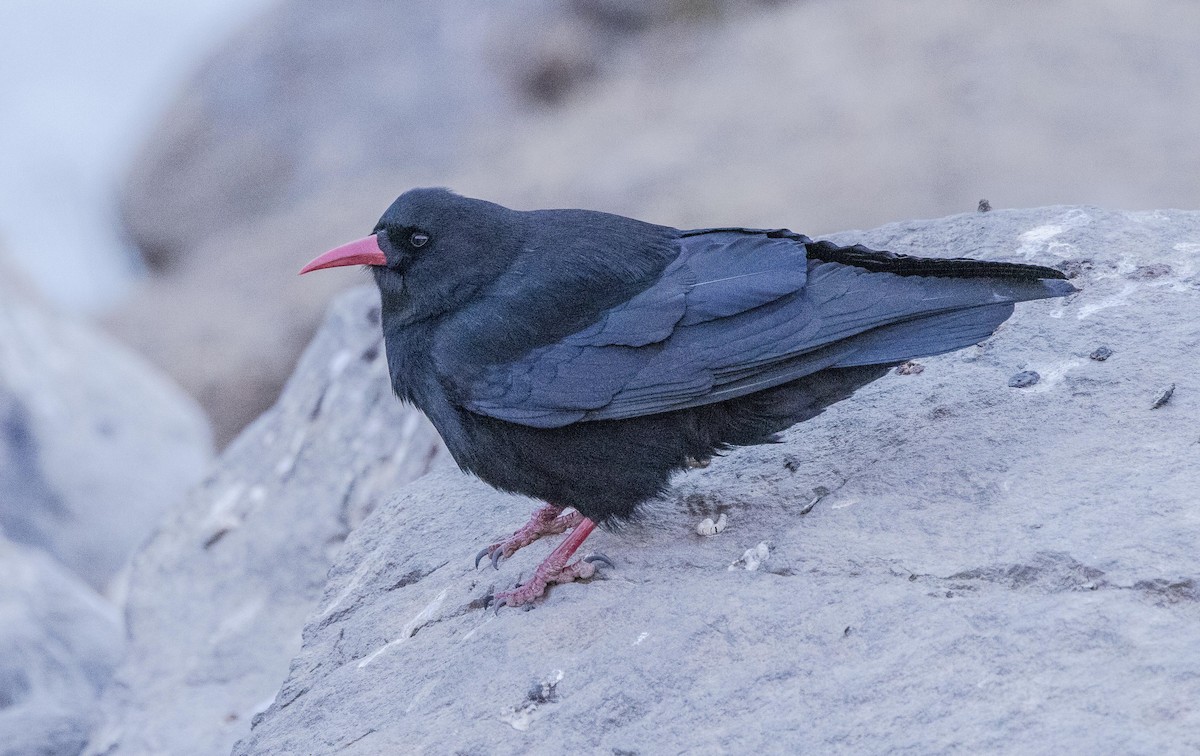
point(480, 556)
point(599, 558)
point(496, 558)
point(499, 604)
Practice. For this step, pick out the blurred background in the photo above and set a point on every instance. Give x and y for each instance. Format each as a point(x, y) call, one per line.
point(169, 165)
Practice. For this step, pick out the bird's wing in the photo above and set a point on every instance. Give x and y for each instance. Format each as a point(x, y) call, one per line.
point(737, 311)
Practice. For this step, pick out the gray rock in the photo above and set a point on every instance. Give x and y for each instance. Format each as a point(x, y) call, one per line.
point(59, 641)
point(988, 570)
point(217, 597)
point(1024, 379)
point(94, 443)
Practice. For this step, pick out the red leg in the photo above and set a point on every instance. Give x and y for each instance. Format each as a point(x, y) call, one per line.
point(555, 569)
point(547, 520)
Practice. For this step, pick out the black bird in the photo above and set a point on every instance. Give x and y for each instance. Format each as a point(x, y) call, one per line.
point(581, 358)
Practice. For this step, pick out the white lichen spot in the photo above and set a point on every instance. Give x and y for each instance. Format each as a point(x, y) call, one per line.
point(222, 516)
point(224, 504)
point(1041, 234)
point(707, 527)
point(1038, 241)
point(429, 688)
point(288, 463)
point(339, 363)
point(641, 637)
point(1052, 375)
point(1075, 218)
point(475, 629)
point(1117, 300)
point(352, 585)
point(423, 618)
point(519, 717)
point(1149, 216)
point(753, 558)
point(238, 621)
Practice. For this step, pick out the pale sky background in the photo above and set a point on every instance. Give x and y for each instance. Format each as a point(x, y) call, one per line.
point(81, 83)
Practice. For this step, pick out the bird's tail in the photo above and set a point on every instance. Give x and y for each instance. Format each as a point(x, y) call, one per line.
point(952, 267)
point(976, 298)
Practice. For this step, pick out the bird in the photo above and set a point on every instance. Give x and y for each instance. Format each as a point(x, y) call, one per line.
point(582, 358)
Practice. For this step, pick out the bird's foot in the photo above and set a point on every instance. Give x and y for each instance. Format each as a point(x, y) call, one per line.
point(555, 569)
point(549, 520)
point(543, 578)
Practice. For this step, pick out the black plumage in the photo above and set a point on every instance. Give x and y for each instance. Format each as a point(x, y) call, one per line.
point(582, 358)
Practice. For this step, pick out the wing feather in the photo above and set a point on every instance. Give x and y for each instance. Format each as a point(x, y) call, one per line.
point(739, 311)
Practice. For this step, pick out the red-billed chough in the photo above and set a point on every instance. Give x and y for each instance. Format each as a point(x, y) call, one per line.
point(582, 358)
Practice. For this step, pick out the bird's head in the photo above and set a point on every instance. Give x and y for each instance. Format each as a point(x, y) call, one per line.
point(432, 251)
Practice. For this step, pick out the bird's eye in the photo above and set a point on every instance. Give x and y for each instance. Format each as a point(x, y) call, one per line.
point(418, 239)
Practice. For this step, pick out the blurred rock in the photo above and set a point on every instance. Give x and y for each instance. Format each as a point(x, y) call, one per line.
point(823, 116)
point(988, 570)
point(300, 131)
point(217, 597)
point(230, 322)
point(59, 641)
point(306, 99)
point(94, 444)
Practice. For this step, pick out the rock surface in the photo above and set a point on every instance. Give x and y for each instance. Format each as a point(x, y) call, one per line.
point(94, 443)
point(989, 569)
point(217, 597)
point(59, 641)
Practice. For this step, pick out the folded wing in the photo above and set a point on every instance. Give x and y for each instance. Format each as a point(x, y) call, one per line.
point(740, 311)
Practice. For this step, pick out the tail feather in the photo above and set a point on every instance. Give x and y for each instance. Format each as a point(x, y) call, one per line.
point(908, 265)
